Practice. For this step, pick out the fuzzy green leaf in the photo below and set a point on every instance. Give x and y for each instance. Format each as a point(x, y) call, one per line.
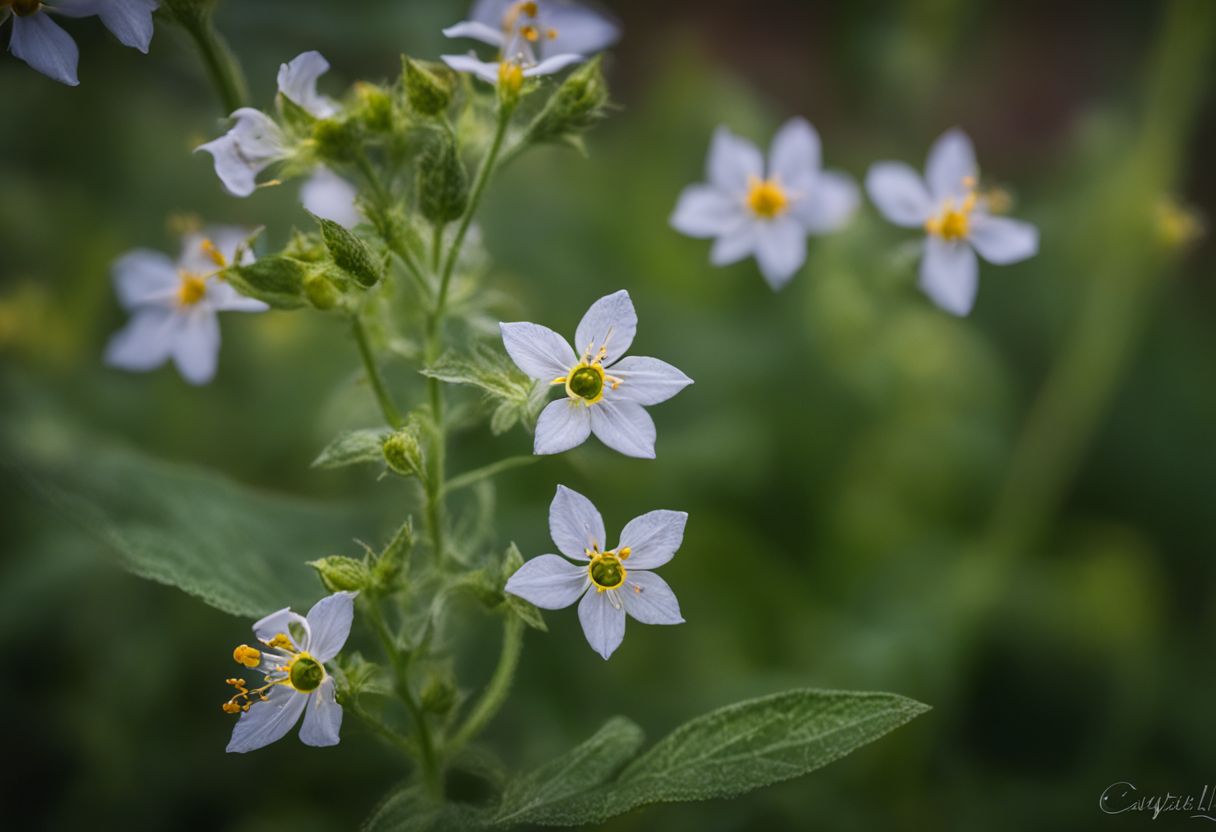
point(353, 447)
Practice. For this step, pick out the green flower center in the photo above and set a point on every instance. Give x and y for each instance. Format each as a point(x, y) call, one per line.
point(587, 382)
point(606, 571)
point(305, 673)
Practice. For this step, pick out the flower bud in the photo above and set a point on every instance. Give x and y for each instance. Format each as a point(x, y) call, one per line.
point(576, 105)
point(443, 185)
point(374, 107)
point(428, 86)
point(338, 573)
point(277, 280)
point(321, 293)
point(350, 254)
point(336, 141)
point(403, 453)
point(438, 694)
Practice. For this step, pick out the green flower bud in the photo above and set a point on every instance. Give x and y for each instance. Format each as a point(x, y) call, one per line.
point(278, 280)
point(350, 254)
point(438, 694)
point(336, 141)
point(374, 107)
point(320, 292)
point(443, 185)
point(428, 86)
point(403, 453)
point(576, 105)
point(338, 573)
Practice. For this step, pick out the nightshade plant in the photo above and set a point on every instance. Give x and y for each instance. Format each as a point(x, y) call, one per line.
point(403, 168)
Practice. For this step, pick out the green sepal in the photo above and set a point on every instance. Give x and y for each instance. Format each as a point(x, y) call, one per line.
point(277, 280)
point(339, 573)
point(428, 85)
point(350, 254)
point(443, 183)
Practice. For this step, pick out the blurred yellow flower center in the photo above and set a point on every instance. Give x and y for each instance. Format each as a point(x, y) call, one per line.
point(191, 290)
point(954, 223)
point(766, 198)
point(510, 76)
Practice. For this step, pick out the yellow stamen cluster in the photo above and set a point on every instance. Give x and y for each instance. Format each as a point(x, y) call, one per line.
point(954, 223)
point(301, 671)
point(766, 198)
point(605, 568)
point(246, 655)
point(586, 381)
point(244, 697)
point(216, 256)
point(510, 77)
point(191, 289)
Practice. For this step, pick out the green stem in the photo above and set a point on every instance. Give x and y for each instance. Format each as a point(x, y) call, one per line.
point(381, 730)
point(486, 471)
point(498, 687)
point(221, 65)
point(391, 414)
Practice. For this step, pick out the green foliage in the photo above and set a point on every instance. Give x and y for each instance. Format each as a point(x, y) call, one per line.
point(577, 104)
point(350, 253)
point(353, 447)
point(513, 395)
point(428, 85)
point(339, 573)
point(277, 280)
point(443, 183)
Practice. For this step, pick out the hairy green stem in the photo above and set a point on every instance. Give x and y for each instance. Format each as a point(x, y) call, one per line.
point(486, 471)
point(221, 65)
point(497, 689)
point(391, 414)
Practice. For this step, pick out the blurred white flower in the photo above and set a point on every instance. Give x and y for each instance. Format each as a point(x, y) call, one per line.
point(174, 306)
point(608, 405)
point(330, 196)
point(955, 217)
point(40, 42)
point(255, 141)
point(532, 38)
point(767, 212)
point(292, 661)
point(611, 582)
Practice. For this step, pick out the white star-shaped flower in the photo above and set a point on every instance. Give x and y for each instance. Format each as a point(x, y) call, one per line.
point(292, 661)
point(40, 42)
point(605, 393)
point(256, 141)
point(751, 209)
point(174, 306)
point(532, 38)
point(611, 582)
point(955, 217)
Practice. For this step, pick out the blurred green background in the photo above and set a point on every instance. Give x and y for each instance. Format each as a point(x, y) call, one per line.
point(881, 497)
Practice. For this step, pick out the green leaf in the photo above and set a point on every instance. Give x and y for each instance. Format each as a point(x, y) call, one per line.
point(353, 447)
point(239, 549)
point(515, 396)
point(571, 776)
point(725, 753)
point(277, 280)
point(408, 810)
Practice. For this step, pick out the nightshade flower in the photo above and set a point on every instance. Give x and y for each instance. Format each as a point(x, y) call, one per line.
point(608, 404)
point(610, 582)
point(955, 218)
point(173, 305)
point(532, 38)
point(40, 42)
point(764, 211)
point(256, 141)
point(292, 661)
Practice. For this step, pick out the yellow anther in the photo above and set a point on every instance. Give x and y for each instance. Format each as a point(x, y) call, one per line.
point(955, 223)
point(191, 290)
point(283, 641)
point(217, 256)
point(624, 552)
point(510, 76)
point(246, 655)
point(766, 198)
point(529, 8)
point(551, 33)
point(231, 707)
point(530, 33)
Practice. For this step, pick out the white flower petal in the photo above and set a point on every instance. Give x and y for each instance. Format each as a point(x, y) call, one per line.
point(647, 380)
point(329, 623)
point(580, 30)
point(575, 524)
point(603, 623)
point(486, 71)
point(145, 342)
point(951, 162)
point(733, 162)
point(537, 350)
point(476, 30)
point(199, 247)
point(734, 245)
point(267, 721)
point(281, 621)
point(491, 12)
point(649, 599)
point(41, 43)
point(323, 720)
point(549, 582)
point(1002, 240)
point(794, 158)
point(331, 197)
point(624, 426)
point(144, 277)
point(253, 143)
point(129, 20)
point(705, 211)
point(563, 424)
point(899, 193)
point(829, 204)
point(298, 81)
point(653, 538)
point(552, 64)
point(609, 324)
point(948, 275)
point(196, 347)
point(780, 249)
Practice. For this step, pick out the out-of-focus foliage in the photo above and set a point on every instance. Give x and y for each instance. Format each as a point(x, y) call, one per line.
point(840, 455)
